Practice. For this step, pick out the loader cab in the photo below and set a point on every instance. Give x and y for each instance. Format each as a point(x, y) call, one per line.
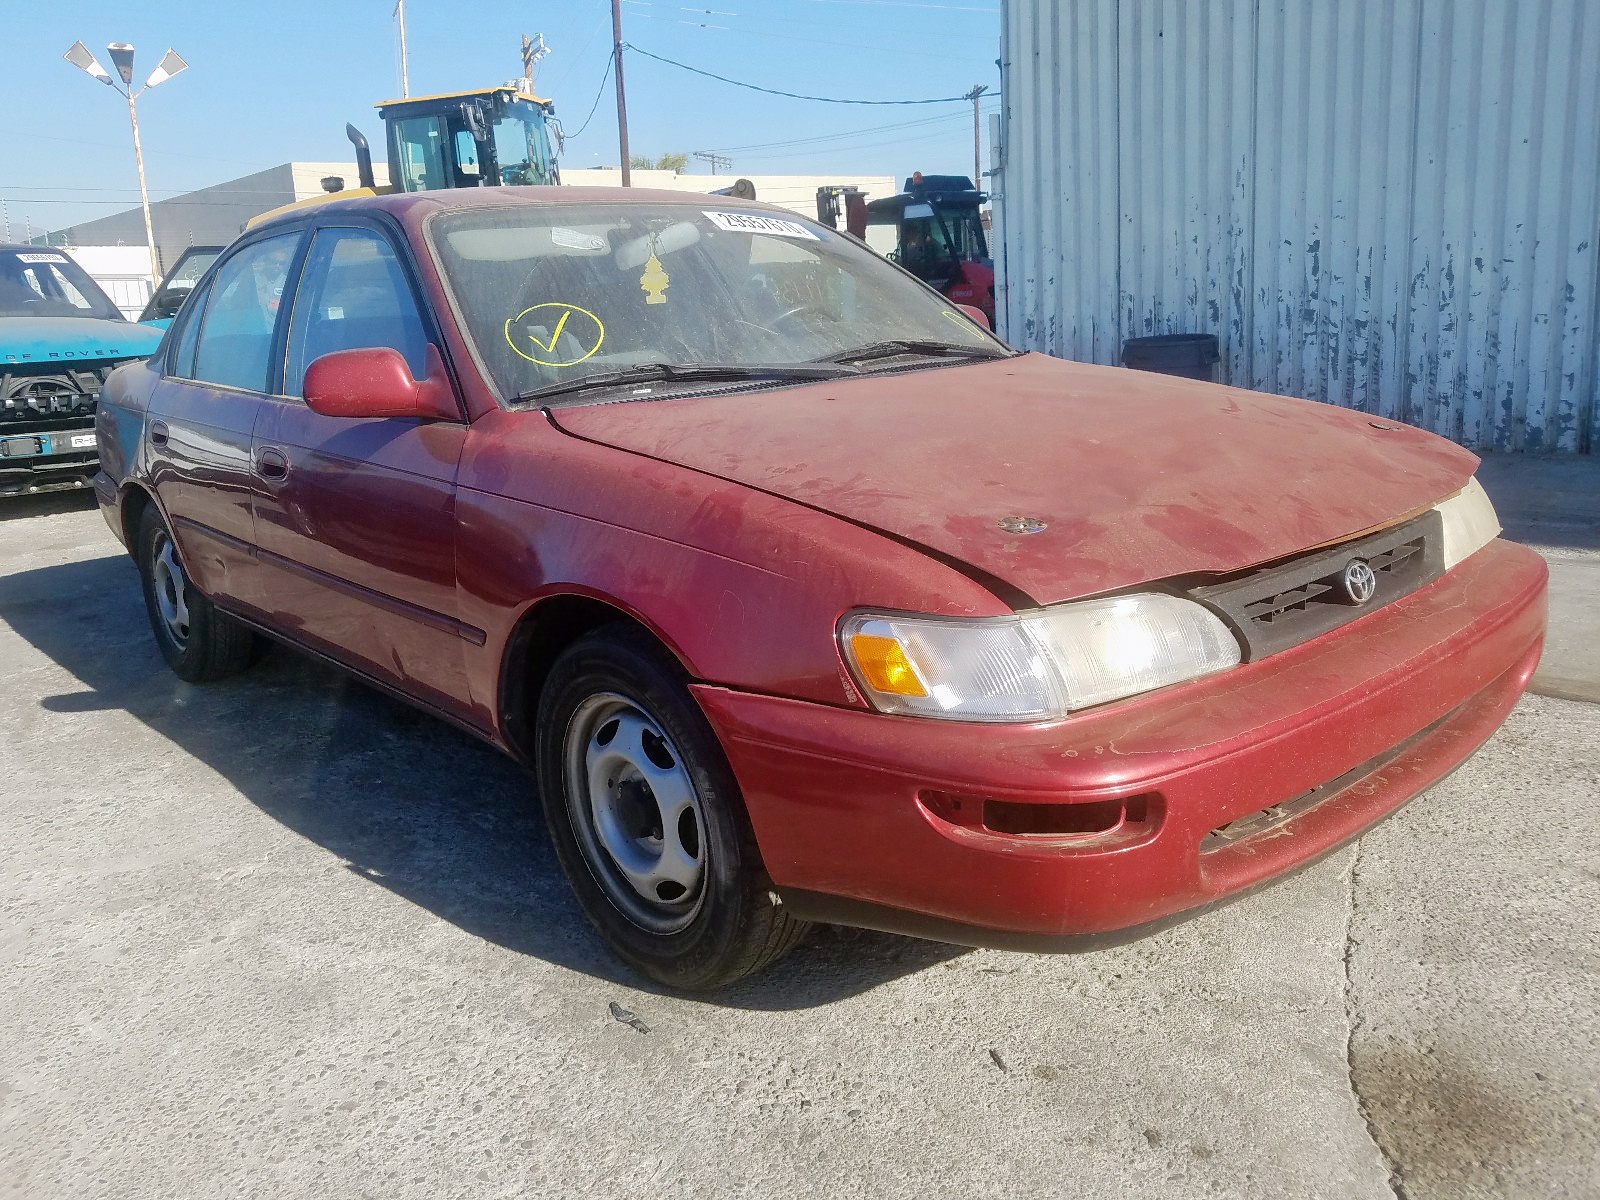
point(498, 137)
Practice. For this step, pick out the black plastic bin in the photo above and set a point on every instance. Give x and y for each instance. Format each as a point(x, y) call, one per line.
point(1191, 355)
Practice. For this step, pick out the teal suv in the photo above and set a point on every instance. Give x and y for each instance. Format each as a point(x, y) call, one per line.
point(60, 337)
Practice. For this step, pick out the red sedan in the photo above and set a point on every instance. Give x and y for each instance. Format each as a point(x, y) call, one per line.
point(804, 597)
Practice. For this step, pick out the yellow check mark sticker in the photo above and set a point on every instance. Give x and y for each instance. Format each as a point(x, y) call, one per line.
point(533, 336)
point(554, 337)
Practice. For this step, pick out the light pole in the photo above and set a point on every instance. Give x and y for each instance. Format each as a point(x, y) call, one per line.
point(122, 58)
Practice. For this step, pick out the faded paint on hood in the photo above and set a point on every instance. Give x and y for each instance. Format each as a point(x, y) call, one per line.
point(1138, 477)
point(68, 340)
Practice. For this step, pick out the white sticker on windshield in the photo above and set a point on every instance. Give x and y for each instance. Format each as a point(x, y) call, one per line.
point(41, 258)
point(738, 222)
point(574, 239)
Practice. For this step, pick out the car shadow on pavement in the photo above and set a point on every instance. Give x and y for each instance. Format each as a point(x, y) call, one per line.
point(402, 799)
point(1546, 500)
point(45, 504)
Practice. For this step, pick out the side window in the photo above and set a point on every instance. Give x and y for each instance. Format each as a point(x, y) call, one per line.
point(353, 294)
point(181, 364)
point(235, 346)
point(420, 142)
point(468, 172)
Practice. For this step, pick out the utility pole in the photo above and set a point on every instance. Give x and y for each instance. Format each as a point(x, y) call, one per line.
point(405, 65)
point(975, 95)
point(716, 160)
point(533, 52)
point(6, 212)
point(622, 94)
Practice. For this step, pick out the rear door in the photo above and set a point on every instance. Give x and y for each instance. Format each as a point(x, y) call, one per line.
point(356, 517)
point(202, 416)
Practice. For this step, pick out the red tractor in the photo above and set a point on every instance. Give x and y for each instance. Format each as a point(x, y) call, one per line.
point(934, 229)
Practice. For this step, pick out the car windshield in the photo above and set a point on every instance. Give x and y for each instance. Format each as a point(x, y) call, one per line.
point(569, 296)
point(46, 283)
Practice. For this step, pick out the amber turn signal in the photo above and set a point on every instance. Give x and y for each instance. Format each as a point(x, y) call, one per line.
point(884, 665)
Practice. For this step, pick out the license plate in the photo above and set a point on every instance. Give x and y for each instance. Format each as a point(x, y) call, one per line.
point(82, 441)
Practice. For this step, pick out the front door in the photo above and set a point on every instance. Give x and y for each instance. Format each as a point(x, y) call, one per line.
point(203, 413)
point(356, 518)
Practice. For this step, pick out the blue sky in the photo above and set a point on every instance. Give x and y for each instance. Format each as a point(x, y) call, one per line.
point(269, 83)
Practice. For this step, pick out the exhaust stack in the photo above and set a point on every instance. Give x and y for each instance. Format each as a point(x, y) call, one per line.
point(363, 156)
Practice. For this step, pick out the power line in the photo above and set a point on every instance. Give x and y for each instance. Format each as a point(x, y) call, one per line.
point(815, 151)
point(600, 91)
point(789, 95)
point(842, 136)
point(742, 31)
point(992, 12)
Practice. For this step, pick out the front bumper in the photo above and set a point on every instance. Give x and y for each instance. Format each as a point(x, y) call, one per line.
point(47, 459)
point(1239, 777)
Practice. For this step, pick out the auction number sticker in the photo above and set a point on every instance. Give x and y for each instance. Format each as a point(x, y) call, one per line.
point(535, 333)
point(41, 258)
point(738, 222)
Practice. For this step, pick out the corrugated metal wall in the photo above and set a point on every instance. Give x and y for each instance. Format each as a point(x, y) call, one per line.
point(1392, 205)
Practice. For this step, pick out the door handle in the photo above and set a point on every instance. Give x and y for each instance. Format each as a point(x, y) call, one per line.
point(158, 433)
point(272, 463)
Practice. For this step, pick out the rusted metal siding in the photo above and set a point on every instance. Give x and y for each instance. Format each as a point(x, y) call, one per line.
point(1391, 205)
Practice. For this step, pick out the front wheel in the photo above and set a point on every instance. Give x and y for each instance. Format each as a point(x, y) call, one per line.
point(647, 820)
point(199, 643)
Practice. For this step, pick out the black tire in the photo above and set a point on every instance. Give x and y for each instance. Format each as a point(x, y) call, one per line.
point(205, 645)
point(730, 924)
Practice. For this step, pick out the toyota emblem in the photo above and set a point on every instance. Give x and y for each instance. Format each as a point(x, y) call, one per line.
point(1360, 581)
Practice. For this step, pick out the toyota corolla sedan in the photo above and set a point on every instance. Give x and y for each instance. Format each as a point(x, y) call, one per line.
point(802, 596)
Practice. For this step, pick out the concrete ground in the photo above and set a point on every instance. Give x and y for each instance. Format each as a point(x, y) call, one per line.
point(283, 937)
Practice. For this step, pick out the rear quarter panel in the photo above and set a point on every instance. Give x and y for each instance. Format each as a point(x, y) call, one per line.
point(120, 420)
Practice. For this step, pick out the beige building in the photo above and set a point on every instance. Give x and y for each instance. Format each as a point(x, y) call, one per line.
point(214, 216)
point(797, 193)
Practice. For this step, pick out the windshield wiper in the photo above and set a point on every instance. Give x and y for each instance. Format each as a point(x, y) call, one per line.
point(899, 346)
point(685, 373)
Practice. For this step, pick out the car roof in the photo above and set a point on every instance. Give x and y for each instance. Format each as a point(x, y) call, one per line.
point(403, 204)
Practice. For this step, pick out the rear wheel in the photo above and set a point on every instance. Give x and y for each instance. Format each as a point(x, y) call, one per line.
point(199, 643)
point(647, 820)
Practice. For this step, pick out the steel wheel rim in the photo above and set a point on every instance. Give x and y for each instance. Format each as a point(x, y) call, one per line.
point(636, 813)
point(171, 589)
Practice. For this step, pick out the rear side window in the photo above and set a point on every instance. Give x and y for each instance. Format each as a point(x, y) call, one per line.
point(353, 294)
point(235, 345)
point(182, 363)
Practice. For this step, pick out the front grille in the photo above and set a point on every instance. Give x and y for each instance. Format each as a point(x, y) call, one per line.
point(29, 396)
point(1276, 607)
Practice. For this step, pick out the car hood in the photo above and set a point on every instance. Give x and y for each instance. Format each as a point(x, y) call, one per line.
point(73, 339)
point(1135, 477)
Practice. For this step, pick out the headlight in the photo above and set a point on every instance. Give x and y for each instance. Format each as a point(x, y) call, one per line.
point(1469, 523)
point(1033, 666)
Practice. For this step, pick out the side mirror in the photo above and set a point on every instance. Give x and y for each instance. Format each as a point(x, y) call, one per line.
point(976, 315)
point(376, 382)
